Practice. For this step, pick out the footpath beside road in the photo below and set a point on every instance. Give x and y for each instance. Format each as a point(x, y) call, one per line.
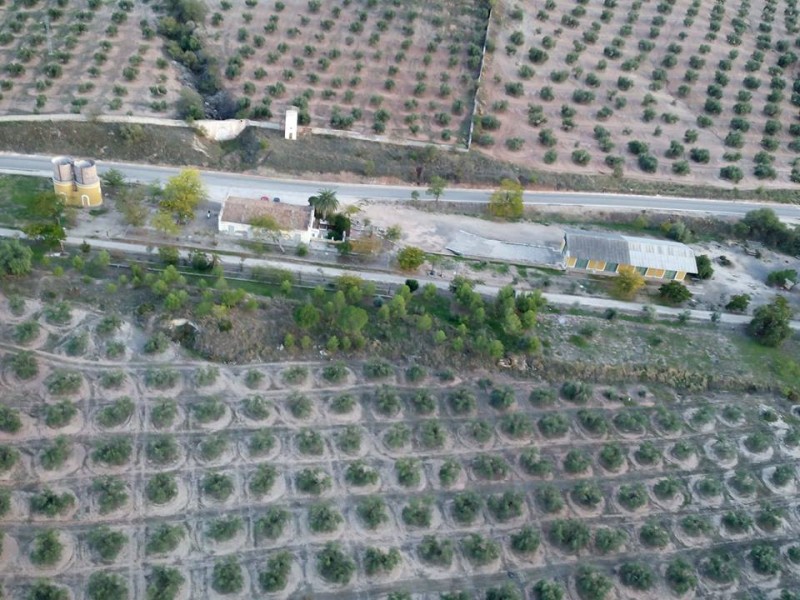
point(391, 280)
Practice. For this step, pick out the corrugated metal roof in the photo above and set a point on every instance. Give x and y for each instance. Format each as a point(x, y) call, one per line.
point(628, 250)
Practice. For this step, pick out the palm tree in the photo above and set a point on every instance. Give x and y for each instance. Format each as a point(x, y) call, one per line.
point(325, 203)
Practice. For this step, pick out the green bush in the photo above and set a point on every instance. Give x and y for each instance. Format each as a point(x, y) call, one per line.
point(310, 442)
point(612, 456)
point(49, 503)
point(632, 496)
point(681, 576)
point(449, 472)
point(547, 590)
point(525, 540)
point(653, 535)
point(586, 494)
point(480, 550)
point(271, 524)
point(62, 382)
point(115, 451)
point(466, 507)
point(217, 485)
point(313, 481)
point(480, 431)
point(8, 458)
point(553, 425)
point(533, 464)
point(462, 401)
point(335, 373)
point(164, 538)
point(502, 398)
point(212, 447)
point(387, 401)
point(542, 397)
point(577, 392)
point(408, 472)
point(647, 454)
point(116, 413)
point(256, 408)
point(377, 369)
point(423, 403)
point(418, 512)
point(696, 525)
point(764, 559)
point(161, 488)
point(372, 511)
point(295, 375)
point(106, 586)
point(111, 493)
point(276, 575)
point(9, 419)
point(432, 435)
point(262, 479)
point(636, 575)
point(161, 379)
point(549, 498)
point(112, 380)
point(359, 473)
point(163, 414)
point(608, 539)
point(46, 549)
point(334, 565)
point(208, 410)
point(576, 461)
point(24, 365)
point(507, 505)
point(44, 590)
point(323, 518)
point(377, 561)
point(224, 528)
point(56, 453)
point(164, 583)
point(570, 535)
point(435, 552)
point(491, 467)
point(344, 404)
point(593, 421)
point(227, 576)
point(782, 475)
point(106, 543)
point(26, 332)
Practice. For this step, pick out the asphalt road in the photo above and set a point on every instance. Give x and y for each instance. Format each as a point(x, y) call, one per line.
point(298, 191)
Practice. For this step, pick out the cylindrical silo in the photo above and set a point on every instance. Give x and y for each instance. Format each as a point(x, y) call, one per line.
point(62, 169)
point(85, 172)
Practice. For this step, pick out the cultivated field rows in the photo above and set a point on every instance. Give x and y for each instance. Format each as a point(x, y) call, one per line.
point(649, 71)
point(503, 461)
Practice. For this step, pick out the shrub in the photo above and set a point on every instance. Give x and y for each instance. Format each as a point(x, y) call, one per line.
point(116, 413)
point(43, 590)
point(111, 493)
point(612, 456)
point(526, 540)
point(387, 401)
point(24, 365)
point(271, 525)
point(547, 590)
point(49, 503)
point(480, 550)
point(680, 576)
point(164, 583)
point(62, 382)
point(56, 453)
point(372, 511)
point(653, 535)
point(417, 513)
point(342, 405)
point(647, 454)
point(553, 425)
point(164, 538)
point(334, 565)
point(397, 435)
point(26, 332)
point(632, 496)
point(226, 576)
point(295, 375)
point(636, 575)
point(106, 543)
point(161, 488)
point(334, 373)
point(533, 465)
point(490, 467)
point(260, 443)
point(591, 584)
point(586, 494)
point(630, 421)
point(435, 552)
point(161, 379)
point(462, 401)
point(608, 539)
point(576, 392)
point(576, 461)
point(466, 507)
point(507, 505)
point(262, 479)
point(359, 473)
point(313, 481)
point(310, 442)
point(323, 518)
point(207, 410)
point(408, 472)
point(115, 451)
point(46, 549)
point(764, 559)
point(276, 575)
point(377, 369)
point(569, 534)
point(106, 586)
point(377, 561)
point(720, 567)
point(423, 402)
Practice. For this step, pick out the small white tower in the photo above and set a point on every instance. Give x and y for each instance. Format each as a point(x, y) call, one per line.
point(290, 132)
